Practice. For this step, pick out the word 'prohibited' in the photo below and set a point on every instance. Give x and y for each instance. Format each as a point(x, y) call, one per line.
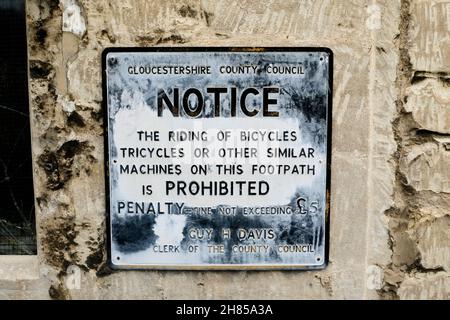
point(218, 158)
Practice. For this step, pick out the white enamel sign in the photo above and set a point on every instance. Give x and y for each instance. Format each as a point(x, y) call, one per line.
point(218, 158)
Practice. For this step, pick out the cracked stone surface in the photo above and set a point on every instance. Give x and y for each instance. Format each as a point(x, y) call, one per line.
point(418, 219)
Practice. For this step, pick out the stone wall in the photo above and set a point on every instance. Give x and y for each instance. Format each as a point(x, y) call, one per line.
point(390, 196)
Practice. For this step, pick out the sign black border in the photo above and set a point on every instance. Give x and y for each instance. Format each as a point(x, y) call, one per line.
point(104, 104)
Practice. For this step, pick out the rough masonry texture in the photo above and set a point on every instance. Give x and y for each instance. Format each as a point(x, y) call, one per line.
point(390, 187)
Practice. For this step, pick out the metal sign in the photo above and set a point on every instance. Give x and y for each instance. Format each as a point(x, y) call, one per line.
point(218, 158)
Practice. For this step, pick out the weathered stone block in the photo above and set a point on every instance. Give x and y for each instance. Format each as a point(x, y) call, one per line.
point(430, 36)
point(429, 103)
point(433, 242)
point(425, 286)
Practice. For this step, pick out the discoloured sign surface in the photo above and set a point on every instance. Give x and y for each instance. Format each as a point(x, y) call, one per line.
point(218, 158)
